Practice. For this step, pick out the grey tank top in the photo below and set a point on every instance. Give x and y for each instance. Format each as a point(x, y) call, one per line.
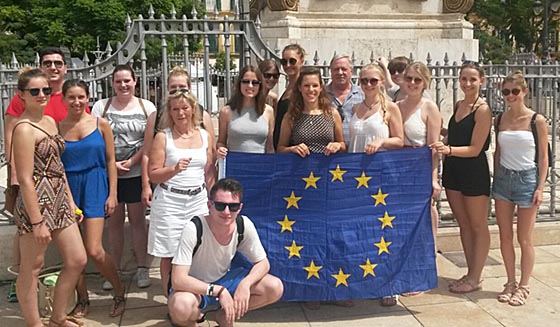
point(247, 132)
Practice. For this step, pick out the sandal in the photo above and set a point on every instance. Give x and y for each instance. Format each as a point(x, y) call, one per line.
point(407, 294)
point(81, 309)
point(507, 293)
point(67, 319)
point(315, 305)
point(344, 303)
point(465, 287)
point(389, 301)
point(119, 303)
point(520, 296)
point(456, 282)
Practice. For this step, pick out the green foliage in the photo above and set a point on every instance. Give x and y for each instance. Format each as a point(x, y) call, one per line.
point(220, 65)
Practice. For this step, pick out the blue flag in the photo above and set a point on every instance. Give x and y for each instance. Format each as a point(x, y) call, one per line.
point(346, 226)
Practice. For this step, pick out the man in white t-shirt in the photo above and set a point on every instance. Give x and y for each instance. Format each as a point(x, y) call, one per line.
point(208, 280)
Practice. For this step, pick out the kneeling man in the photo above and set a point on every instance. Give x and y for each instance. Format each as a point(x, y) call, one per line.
point(203, 276)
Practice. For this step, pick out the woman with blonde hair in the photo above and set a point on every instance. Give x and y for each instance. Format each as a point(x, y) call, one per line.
point(520, 166)
point(181, 166)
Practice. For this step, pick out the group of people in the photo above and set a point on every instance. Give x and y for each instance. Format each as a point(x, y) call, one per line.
point(126, 152)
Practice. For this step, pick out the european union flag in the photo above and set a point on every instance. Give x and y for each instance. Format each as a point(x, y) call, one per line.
point(346, 226)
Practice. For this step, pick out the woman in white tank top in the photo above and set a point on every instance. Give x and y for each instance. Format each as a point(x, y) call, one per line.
point(421, 123)
point(520, 169)
point(181, 166)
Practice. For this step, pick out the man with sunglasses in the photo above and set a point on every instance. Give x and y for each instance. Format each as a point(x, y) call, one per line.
point(344, 94)
point(206, 278)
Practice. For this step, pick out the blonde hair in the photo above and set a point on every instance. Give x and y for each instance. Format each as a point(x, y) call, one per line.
point(382, 95)
point(516, 78)
point(166, 120)
point(28, 73)
point(421, 70)
point(179, 71)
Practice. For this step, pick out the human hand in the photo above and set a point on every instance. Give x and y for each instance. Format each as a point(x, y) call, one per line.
point(146, 196)
point(436, 190)
point(123, 167)
point(301, 149)
point(374, 146)
point(537, 197)
point(440, 147)
point(332, 147)
point(222, 152)
point(226, 301)
point(182, 164)
point(110, 204)
point(241, 299)
point(41, 233)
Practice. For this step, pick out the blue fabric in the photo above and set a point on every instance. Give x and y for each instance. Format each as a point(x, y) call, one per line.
point(338, 223)
point(514, 186)
point(85, 165)
point(230, 281)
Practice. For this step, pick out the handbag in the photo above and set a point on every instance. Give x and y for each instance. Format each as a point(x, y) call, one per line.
point(11, 192)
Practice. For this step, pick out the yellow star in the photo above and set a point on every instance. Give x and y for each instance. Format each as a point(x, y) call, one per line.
point(362, 180)
point(386, 220)
point(341, 278)
point(380, 197)
point(368, 268)
point(292, 201)
point(286, 224)
point(312, 270)
point(294, 250)
point(337, 174)
point(311, 181)
point(383, 246)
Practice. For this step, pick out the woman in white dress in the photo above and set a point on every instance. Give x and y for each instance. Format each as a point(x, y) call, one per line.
point(180, 165)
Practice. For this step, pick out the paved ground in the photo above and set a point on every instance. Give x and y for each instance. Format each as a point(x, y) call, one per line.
point(438, 307)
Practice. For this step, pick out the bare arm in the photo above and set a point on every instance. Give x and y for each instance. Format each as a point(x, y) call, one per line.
point(223, 122)
point(433, 123)
point(111, 202)
point(483, 121)
point(338, 144)
point(209, 127)
point(269, 112)
point(542, 132)
point(396, 134)
point(157, 172)
point(210, 173)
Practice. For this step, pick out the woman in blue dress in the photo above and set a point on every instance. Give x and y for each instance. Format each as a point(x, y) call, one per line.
point(89, 162)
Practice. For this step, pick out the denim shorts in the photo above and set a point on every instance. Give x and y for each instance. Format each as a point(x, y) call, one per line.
point(515, 186)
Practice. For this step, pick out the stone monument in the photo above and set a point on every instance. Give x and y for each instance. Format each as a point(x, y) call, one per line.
point(401, 27)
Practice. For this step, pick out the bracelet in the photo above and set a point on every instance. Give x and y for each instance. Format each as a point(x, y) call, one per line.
point(210, 290)
point(220, 292)
point(449, 146)
point(37, 224)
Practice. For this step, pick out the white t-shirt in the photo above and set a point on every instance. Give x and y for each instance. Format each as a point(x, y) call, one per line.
point(212, 260)
point(128, 129)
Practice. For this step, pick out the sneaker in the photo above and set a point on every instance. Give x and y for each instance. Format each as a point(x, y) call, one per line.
point(107, 286)
point(143, 277)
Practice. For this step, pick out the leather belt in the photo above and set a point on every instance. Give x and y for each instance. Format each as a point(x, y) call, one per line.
point(191, 192)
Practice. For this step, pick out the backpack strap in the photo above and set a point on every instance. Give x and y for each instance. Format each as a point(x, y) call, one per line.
point(196, 221)
point(104, 114)
point(497, 125)
point(141, 102)
point(535, 136)
point(240, 229)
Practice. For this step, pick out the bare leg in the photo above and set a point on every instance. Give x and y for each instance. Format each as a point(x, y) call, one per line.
point(26, 286)
point(504, 216)
point(435, 220)
point(71, 247)
point(137, 219)
point(183, 308)
point(116, 234)
point(525, 224)
point(101, 259)
point(457, 205)
point(477, 211)
point(164, 270)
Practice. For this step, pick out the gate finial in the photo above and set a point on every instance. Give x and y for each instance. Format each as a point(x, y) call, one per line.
point(194, 13)
point(151, 12)
point(128, 22)
point(14, 60)
point(173, 12)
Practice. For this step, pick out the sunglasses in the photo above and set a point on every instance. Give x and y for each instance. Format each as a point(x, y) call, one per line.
point(172, 92)
point(249, 81)
point(506, 92)
point(394, 71)
point(291, 61)
point(35, 91)
point(48, 63)
point(371, 81)
point(410, 79)
point(269, 75)
point(221, 206)
point(470, 63)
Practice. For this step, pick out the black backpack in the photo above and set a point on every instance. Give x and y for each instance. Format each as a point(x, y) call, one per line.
point(535, 137)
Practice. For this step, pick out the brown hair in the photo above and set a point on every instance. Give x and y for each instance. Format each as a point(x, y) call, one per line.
point(269, 64)
point(167, 122)
point(296, 106)
point(382, 95)
point(421, 70)
point(297, 48)
point(516, 78)
point(236, 100)
point(398, 64)
point(179, 71)
point(26, 74)
point(473, 65)
point(75, 83)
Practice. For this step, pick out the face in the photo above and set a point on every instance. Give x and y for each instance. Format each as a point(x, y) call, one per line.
point(341, 71)
point(270, 78)
point(413, 82)
point(310, 89)
point(470, 81)
point(123, 83)
point(509, 91)
point(226, 216)
point(181, 111)
point(38, 86)
point(76, 99)
point(291, 63)
point(370, 80)
point(397, 77)
point(54, 66)
point(177, 82)
point(250, 85)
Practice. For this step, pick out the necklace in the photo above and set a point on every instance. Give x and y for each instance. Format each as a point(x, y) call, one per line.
point(182, 135)
point(371, 106)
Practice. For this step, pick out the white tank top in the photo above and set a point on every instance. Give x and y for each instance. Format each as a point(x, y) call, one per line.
point(517, 149)
point(364, 131)
point(415, 131)
point(193, 176)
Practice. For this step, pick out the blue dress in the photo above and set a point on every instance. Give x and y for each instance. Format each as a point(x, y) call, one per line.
point(86, 170)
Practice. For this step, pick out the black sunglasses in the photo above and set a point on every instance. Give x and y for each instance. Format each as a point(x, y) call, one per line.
point(221, 206)
point(394, 71)
point(270, 75)
point(371, 81)
point(48, 63)
point(179, 90)
point(506, 92)
point(470, 63)
point(252, 82)
point(285, 62)
point(35, 91)
point(417, 80)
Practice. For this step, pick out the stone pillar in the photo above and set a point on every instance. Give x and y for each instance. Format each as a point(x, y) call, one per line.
point(401, 27)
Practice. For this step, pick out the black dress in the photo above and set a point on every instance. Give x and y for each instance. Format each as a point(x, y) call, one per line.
point(281, 110)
